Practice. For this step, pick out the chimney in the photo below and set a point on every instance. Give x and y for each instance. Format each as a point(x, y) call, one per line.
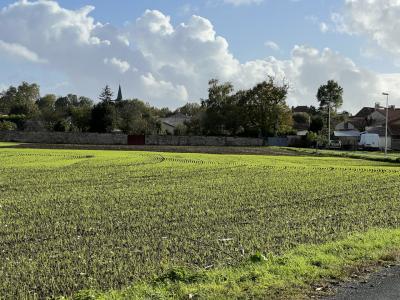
point(392, 107)
point(377, 105)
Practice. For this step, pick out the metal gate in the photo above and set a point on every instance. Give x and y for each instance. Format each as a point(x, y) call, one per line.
point(136, 140)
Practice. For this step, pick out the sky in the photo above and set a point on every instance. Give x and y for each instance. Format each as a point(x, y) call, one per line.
point(164, 51)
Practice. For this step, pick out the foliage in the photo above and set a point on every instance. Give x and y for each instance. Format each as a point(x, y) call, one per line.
point(20, 100)
point(220, 109)
point(261, 110)
point(258, 111)
point(106, 94)
point(62, 126)
point(190, 109)
point(267, 107)
point(7, 126)
point(73, 220)
point(103, 117)
point(330, 95)
point(302, 118)
point(136, 117)
point(317, 123)
point(19, 120)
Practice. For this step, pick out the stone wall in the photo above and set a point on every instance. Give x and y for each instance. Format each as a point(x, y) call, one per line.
point(122, 139)
point(396, 144)
point(64, 138)
point(170, 140)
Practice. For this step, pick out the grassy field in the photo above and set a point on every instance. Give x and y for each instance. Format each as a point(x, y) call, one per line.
point(72, 220)
point(392, 156)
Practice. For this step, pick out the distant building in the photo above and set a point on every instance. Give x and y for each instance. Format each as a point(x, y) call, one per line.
point(373, 120)
point(171, 123)
point(119, 97)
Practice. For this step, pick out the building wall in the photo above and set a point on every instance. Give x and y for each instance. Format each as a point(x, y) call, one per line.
point(341, 126)
point(377, 118)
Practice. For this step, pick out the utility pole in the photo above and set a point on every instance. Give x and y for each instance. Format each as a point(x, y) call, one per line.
point(387, 120)
point(329, 125)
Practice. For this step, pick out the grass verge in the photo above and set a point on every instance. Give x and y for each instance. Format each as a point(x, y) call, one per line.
point(289, 276)
point(373, 156)
point(7, 144)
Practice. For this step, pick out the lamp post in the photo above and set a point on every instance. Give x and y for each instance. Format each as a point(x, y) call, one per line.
point(387, 119)
point(329, 125)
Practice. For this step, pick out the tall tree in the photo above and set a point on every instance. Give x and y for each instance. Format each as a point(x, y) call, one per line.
point(330, 95)
point(7, 99)
point(219, 108)
point(24, 100)
point(46, 105)
point(266, 106)
point(106, 94)
point(103, 117)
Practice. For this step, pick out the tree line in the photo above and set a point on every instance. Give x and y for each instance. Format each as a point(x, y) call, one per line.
point(257, 112)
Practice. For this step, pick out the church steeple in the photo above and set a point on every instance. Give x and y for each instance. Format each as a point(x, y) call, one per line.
point(119, 97)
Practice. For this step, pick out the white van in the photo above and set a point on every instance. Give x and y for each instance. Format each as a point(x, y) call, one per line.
point(369, 141)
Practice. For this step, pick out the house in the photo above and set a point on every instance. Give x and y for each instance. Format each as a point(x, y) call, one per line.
point(373, 120)
point(353, 123)
point(349, 138)
point(171, 123)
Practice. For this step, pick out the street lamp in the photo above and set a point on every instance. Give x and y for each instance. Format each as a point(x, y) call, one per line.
point(387, 119)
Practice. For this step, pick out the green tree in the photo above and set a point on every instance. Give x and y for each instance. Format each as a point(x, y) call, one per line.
point(106, 94)
point(81, 114)
point(220, 116)
point(190, 109)
point(46, 105)
point(7, 126)
point(266, 107)
point(103, 117)
point(136, 117)
point(62, 126)
point(7, 99)
point(317, 123)
point(23, 99)
point(330, 95)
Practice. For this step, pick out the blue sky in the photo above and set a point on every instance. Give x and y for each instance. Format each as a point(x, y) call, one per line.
point(252, 31)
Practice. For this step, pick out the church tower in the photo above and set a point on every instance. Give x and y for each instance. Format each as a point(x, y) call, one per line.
point(119, 97)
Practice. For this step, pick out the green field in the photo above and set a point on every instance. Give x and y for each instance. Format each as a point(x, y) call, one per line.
point(83, 219)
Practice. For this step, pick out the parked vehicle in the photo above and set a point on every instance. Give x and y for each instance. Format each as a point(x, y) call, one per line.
point(335, 144)
point(369, 141)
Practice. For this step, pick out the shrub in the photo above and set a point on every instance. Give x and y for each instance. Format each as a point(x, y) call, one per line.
point(7, 126)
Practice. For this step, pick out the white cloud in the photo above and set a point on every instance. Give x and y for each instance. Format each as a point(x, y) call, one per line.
point(378, 20)
point(120, 65)
point(272, 45)
point(323, 27)
point(19, 51)
point(165, 64)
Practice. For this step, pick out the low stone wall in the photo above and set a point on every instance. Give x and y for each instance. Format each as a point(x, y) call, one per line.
point(396, 144)
point(169, 140)
point(79, 138)
point(122, 139)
